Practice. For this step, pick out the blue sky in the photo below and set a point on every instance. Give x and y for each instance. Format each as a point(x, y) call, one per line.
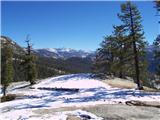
point(77, 25)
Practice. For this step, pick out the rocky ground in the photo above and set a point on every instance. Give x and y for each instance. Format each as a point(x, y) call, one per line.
point(79, 96)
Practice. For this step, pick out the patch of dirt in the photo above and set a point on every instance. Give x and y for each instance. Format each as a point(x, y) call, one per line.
point(53, 110)
point(72, 117)
point(146, 104)
point(120, 83)
point(123, 83)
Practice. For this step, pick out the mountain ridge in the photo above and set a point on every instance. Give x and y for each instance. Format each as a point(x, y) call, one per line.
point(67, 53)
point(46, 66)
point(64, 53)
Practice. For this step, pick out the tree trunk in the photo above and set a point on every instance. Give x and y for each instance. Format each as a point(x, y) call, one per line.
point(121, 68)
point(120, 74)
point(136, 59)
point(4, 91)
point(139, 86)
point(121, 64)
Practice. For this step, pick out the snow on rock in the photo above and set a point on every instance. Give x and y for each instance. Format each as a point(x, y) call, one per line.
point(91, 92)
point(15, 86)
point(71, 81)
point(52, 50)
point(30, 115)
point(16, 115)
point(84, 115)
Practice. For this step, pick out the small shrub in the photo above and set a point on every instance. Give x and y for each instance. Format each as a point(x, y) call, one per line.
point(9, 97)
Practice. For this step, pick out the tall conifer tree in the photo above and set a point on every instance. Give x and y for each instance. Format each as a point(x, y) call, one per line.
point(7, 67)
point(123, 52)
point(105, 56)
point(131, 18)
point(29, 64)
point(157, 41)
point(157, 54)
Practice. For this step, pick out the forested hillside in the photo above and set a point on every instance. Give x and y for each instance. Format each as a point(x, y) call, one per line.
point(49, 66)
point(46, 66)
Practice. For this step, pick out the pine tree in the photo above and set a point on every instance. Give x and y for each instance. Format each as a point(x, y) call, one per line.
point(104, 57)
point(131, 18)
point(112, 55)
point(29, 64)
point(157, 53)
point(7, 67)
point(157, 42)
point(119, 50)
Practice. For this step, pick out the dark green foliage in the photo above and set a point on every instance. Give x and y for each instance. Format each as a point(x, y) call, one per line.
point(123, 53)
point(49, 66)
point(157, 43)
point(104, 57)
point(19, 74)
point(29, 64)
point(112, 56)
point(131, 18)
point(70, 65)
point(7, 67)
point(30, 68)
point(157, 53)
point(119, 51)
point(78, 65)
point(45, 66)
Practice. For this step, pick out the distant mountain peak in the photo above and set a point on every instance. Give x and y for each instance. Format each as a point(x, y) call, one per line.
point(65, 49)
point(51, 50)
point(17, 49)
point(62, 52)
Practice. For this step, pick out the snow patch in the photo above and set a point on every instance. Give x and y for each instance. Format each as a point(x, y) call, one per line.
point(30, 115)
point(79, 81)
point(91, 92)
point(51, 50)
point(84, 115)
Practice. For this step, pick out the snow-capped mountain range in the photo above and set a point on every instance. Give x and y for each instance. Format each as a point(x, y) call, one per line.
point(63, 53)
point(66, 53)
